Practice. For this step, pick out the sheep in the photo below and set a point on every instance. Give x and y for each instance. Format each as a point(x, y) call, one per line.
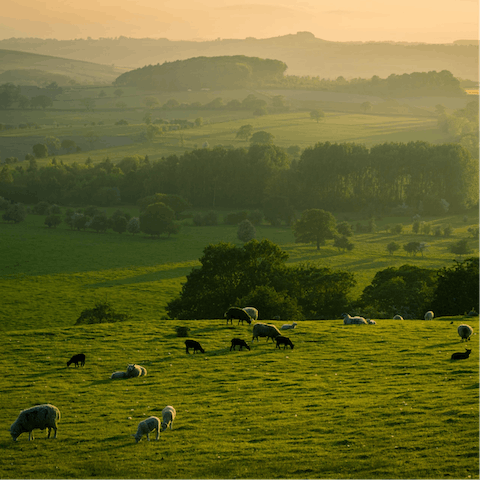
point(134, 370)
point(372, 322)
point(348, 320)
point(238, 313)
point(288, 326)
point(117, 375)
point(41, 416)
point(265, 330)
point(241, 343)
point(398, 317)
point(168, 416)
point(460, 355)
point(465, 331)
point(76, 359)
point(253, 312)
point(195, 345)
point(429, 315)
point(146, 426)
point(283, 341)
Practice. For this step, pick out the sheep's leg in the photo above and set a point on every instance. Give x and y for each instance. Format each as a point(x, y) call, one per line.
point(30, 435)
point(158, 432)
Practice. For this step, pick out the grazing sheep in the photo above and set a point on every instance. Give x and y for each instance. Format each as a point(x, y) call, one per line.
point(168, 416)
point(253, 312)
point(460, 355)
point(238, 313)
point(241, 343)
point(195, 345)
point(134, 370)
point(283, 341)
point(372, 322)
point(288, 326)
point(265, 330)
point(146, 426)
point(465, 331)
point(41, 416)
point(348, 320)
point(398, 317)
point(429, 315)
point(117, 375)
point(77, 359)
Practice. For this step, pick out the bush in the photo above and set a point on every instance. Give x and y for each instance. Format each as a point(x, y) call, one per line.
point(101, 313)
point(246, 231)
point(41, 208)
point(52, 221)
point(344, 228)
point(15, 213)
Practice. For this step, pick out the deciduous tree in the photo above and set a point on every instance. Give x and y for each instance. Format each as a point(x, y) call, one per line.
point(314, 225)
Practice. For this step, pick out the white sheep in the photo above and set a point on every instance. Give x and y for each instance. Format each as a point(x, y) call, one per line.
point(117, 375)
point(288, 326)
point(429, 315)
point(168, 416)
point(253, 312)
point(41, 416)
point(465, 331)
point(371, 322)
point(146, 426)
point(348, 320)
point(134, 370)
point(265, 330)
point(398, 317)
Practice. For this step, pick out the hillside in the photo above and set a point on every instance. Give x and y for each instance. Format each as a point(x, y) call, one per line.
point(302, 52)
point(38, 69)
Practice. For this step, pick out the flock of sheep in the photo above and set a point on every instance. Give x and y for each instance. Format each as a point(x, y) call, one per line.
point(46, 416)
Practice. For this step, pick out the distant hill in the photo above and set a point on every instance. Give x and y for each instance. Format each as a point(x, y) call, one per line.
point(302, 52)
point(23, 68)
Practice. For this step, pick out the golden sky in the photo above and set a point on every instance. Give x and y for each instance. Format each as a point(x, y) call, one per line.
point(429, 21)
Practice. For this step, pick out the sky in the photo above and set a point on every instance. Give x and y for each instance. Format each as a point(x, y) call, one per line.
point(428, 21)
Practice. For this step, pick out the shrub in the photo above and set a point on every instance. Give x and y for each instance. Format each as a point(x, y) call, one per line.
point(52, 221)
point(101, 313)
point(15, 213)
point(41, 208)
point(345, 229)
point(246, 231)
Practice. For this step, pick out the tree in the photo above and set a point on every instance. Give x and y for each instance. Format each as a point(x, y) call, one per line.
point(344, 228)
point(277, 209)
point(366, 107)
point(246, 231)
point(42, 101)
point(245, 132)
point(156, 219)
point(15, 212)
point(5, 175)
point(150, 102)
point(88, 103)
point(52, 143)
point(99, 223)
point(133, 225)
point(261, 137)
point(40, 150)
point(118, 92)
point(392, 247)
point(199, 121)
point(152, 131)
point(460, 248)
point(315, 225)
point(91, 137)
point(317, 115)
point(412, 248)
point(119, 224)
point(343, 243)
point(52, 221)
point(68, 145)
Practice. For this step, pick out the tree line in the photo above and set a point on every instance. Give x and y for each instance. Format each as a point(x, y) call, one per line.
point(426, 178)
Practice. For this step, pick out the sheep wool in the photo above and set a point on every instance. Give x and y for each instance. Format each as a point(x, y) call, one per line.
point(253, 312)
point(265, 330)
point(41, 416)
point(465, 331)
point(117, 375)
point(398, 317)
point(429, 315)
point(348, 320)
point(168, 416)
point(288, 326)
point(146, 426)
point(134, 370)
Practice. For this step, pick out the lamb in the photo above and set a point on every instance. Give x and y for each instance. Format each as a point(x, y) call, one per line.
point(465, 331)
point(253, 312)
point(348, 320)
point(41, 416)
point(168, 416)
point(238, 313)
point(134, 370)
point(241, 343)
point(288, 326)
point(146, 426)
point(372, 322)
point(460, 355)
point(283, 341)
point(265, 330)
point(77, 359)
point(195, 345)
point(398, 317)
point(429, 315)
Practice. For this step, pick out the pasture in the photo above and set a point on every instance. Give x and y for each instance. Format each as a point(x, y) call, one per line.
point(349, 401)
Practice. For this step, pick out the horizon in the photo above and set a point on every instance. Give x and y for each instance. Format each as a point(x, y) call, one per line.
point(409, 21)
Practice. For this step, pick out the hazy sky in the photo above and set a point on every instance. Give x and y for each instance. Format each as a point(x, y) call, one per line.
point(430, 21)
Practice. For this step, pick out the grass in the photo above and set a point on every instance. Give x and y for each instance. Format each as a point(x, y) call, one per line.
point(379, 401)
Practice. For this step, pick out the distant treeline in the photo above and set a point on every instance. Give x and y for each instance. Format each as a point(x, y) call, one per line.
point(243, 72)
point(341, 177)
point(236, 71)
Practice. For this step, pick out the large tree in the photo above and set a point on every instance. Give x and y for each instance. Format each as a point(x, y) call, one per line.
point(315, 225)
point(157, 219)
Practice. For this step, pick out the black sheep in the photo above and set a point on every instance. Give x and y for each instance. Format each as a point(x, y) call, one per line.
point(195, 345)
point(76, 359)
point(237, 313)
point(283, 341)
point(460, 355)
point(241, 343)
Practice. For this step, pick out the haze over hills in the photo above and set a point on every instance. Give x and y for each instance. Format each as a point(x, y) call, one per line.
point(303, 53)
